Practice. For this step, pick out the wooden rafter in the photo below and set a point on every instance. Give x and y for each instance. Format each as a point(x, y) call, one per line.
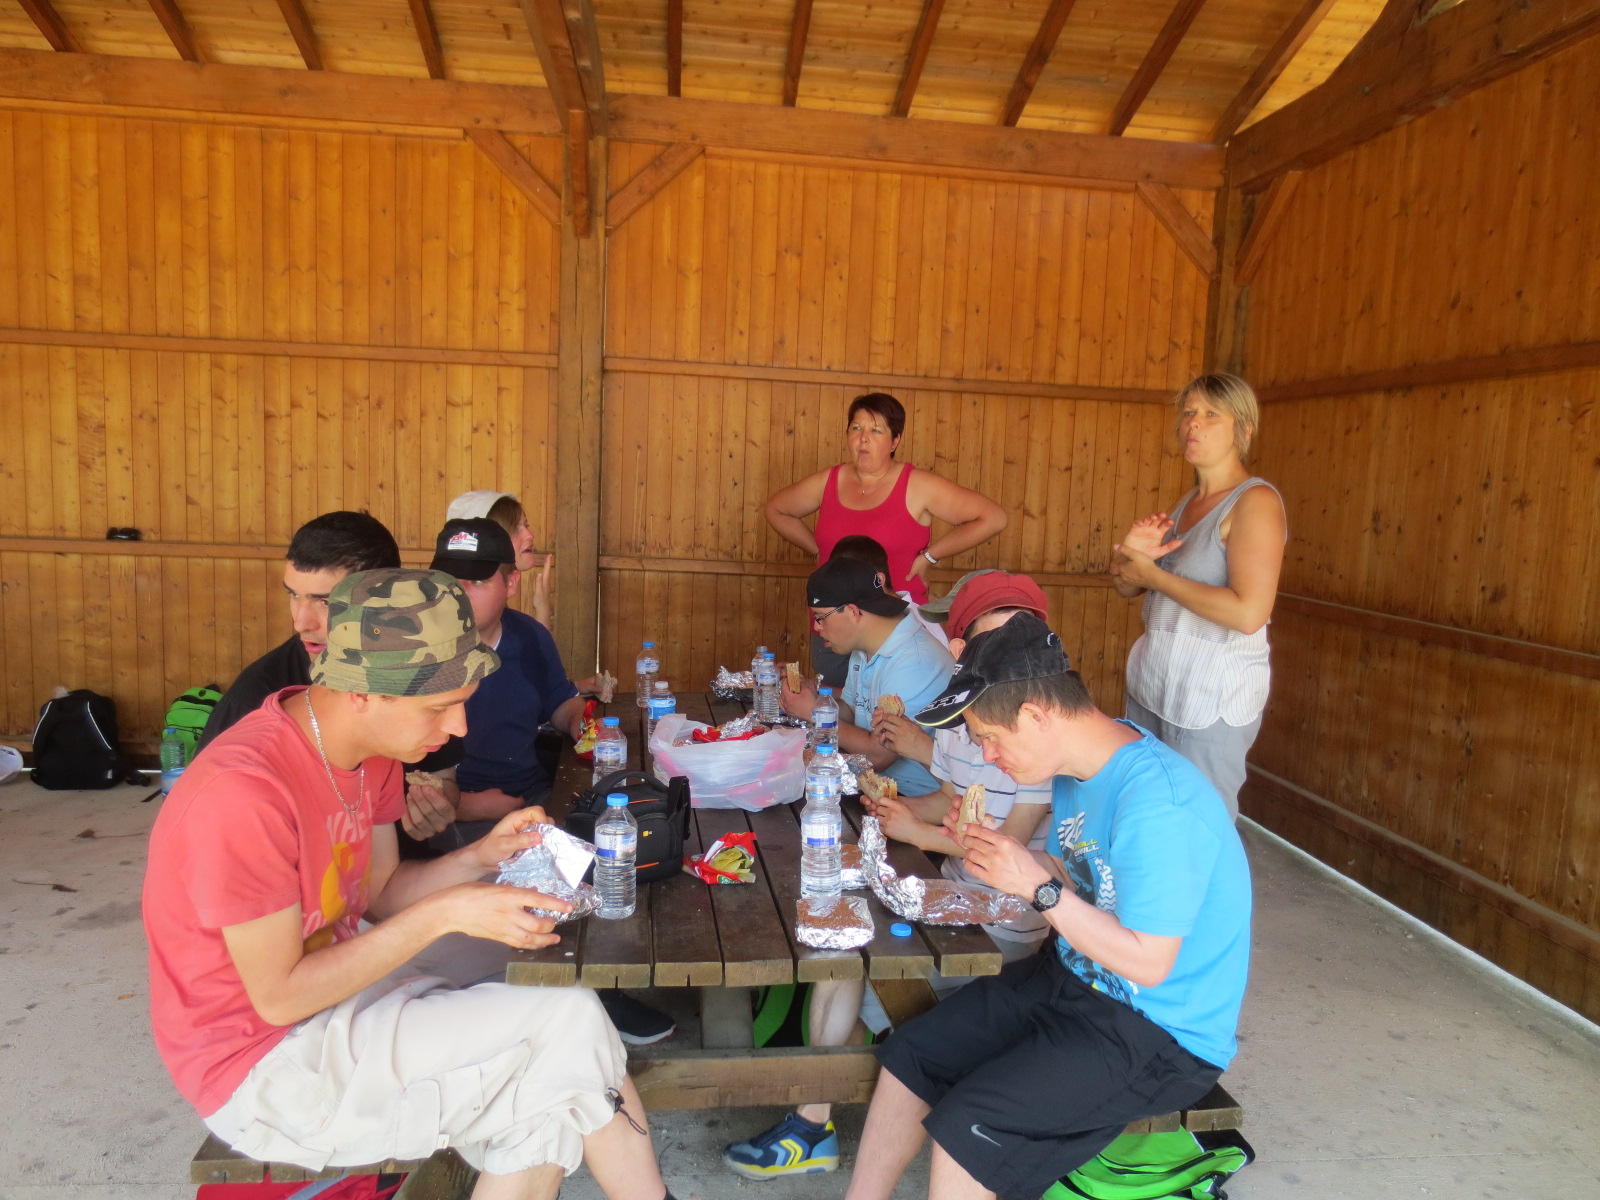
point(526, 177)
point(1277, 59)
point(50, 24)
point(428, 37)
point(674, 47)
point(1270, 210)
point(172, 20)
point(569, 53)
point(655, 175)
point(1410, 70)
point(921, 43)
point(1044, 43)
point(271, 93)
point(1180, 223)
point(295, 16)
point(798, 30)
point(1155, 61)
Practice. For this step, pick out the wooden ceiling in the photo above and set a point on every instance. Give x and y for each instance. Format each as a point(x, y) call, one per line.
point(1177, 70)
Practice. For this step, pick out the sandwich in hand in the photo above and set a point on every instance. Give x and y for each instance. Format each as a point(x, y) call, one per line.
point(891, 705)
point(974, 809)
point(794, 676)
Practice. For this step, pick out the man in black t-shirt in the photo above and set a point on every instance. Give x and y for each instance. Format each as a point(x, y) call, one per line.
point(323, 551)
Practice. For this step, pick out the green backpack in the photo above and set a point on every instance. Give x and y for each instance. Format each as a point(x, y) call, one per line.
point(1155, 1166)
point(189, 714)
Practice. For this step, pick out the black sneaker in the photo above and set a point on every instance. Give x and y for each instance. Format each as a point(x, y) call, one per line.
point(637, 1024)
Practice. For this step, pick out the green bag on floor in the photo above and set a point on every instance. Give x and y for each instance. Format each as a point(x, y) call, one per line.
point(189, 714)
point(1156, 1166)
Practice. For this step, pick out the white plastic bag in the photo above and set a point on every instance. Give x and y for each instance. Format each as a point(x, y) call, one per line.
point(753, 774)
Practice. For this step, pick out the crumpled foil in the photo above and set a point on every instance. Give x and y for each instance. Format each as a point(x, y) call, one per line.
point(728, 684)
point(749, 723)
point(851, 877)
point(833, 922)
point(852, 766)
point(555, 867)
point(931, 901)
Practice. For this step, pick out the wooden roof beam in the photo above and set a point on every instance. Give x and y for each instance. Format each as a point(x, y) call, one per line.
point(1155, 61)
point(1408, 69)
point(50, 24)
point(921, 43)
point(145, 84)
point(172, 20)
point(295, 16)
point(798, 31)
point(1044, 44)
point(428, 37)
point(568, 44)
point(524, 176)
point(674, 47)
point(1269, 214)
point(1277, 59)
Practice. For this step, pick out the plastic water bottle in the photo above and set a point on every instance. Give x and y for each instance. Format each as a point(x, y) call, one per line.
point(610, 749)
point(755, 663)
point(174, 757)
point(825, 719)
point(645, 668)
point(766, 697)
point(662, 704)
point(616, 837)
point(821, 826)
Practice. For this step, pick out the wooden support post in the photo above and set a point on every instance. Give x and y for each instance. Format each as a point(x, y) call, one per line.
point(726, 1020)
point(579, 364)
point(1229, 305)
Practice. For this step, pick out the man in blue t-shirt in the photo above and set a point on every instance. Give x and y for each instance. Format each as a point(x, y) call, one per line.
point(1022, 1077)
point(496, 766)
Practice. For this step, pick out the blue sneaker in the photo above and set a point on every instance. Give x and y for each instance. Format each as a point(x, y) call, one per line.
point(791, 1147)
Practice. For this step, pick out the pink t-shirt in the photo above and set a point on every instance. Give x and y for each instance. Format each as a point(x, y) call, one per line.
point(249, 830)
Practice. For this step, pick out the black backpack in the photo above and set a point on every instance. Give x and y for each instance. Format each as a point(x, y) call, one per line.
point(661, 811)
point(75, 742)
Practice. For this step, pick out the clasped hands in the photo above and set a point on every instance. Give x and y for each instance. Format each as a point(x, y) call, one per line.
point(1134, 558)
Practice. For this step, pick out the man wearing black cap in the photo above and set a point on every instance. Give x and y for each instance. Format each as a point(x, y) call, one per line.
point(496, 766)
point(890, 654)
point(1022, 1077)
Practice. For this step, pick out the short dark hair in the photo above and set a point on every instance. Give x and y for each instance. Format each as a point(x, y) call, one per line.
point(883, 405)
point(343, 541)
point(999, 703)
point(861, 548)
point(507, 512)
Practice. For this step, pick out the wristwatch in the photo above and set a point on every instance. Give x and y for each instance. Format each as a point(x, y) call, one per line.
point(1046, 896)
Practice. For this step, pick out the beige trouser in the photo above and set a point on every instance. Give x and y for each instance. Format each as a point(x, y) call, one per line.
point(511, 1077)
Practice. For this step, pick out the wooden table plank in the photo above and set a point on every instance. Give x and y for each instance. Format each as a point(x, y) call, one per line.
point(756, 950)
point(688, 952)
point(670, 1078)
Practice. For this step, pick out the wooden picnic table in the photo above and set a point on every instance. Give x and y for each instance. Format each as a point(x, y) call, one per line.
point(730, 939)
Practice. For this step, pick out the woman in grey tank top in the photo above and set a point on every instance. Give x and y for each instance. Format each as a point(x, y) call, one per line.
point(1208, 572)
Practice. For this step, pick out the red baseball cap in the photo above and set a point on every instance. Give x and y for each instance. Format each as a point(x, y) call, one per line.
point(985, 593)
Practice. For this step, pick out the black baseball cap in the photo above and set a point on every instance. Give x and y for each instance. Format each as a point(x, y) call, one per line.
point(1023, 648)
point(849, 581)
point(472, 550)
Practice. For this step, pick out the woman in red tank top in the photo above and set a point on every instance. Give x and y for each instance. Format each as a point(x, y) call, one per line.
point(892, 503)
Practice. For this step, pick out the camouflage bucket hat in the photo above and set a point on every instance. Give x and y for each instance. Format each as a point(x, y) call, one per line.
point(401, 633)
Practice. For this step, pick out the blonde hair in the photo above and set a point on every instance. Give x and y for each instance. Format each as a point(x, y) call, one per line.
point(1229, 394)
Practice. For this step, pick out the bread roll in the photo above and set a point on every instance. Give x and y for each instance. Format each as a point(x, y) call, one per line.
point(891, 705)
point(423, 779)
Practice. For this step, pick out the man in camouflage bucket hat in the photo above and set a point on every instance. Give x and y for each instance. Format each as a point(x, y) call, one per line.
point(263, 863)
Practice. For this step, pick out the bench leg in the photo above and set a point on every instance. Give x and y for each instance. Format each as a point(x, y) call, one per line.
point(445, 1176)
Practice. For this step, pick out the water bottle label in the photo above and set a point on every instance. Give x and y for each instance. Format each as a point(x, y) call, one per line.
point(613, 850)
point(827, 839)
point(662, 708)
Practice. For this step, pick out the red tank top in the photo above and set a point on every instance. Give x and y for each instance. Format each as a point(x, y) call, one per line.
point(901, 535)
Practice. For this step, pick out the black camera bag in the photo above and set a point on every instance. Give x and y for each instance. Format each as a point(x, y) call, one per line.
point(661, 811)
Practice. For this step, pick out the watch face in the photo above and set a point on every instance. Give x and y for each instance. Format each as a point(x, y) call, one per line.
point(1046, 896)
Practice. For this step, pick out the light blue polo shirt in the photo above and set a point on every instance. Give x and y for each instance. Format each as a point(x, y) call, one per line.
point(910, 664)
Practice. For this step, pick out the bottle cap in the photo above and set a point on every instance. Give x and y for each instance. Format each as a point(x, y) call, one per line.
point(617, 800)
point(826, 748)
point(900, 929)
point(825, 691)
point(761, 650)
point(649, 645)
point(611, 722)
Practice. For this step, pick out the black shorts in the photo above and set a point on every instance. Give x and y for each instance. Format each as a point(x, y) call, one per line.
point(1031, 1073)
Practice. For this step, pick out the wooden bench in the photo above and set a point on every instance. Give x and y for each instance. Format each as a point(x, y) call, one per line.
point(443, 1176)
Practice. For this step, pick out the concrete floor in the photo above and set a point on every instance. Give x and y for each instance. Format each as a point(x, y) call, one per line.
point(1377, 1060)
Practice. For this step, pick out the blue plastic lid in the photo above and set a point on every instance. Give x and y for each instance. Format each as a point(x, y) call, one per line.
point(824, 691)
point(826, 749)
point(649, 645)
point(900, 929)
point(612, 722)
point(617, 800)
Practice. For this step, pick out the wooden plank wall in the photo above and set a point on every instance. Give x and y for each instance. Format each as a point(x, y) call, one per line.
point(213, 332)
point(1451, 766)
point(1033, 330)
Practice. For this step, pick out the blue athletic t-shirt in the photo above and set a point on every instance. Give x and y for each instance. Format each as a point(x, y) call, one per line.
point(1148, 839)
point(504, 714)
point(910, 664)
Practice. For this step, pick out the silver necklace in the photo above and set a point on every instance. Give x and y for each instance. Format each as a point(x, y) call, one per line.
point(361, 775)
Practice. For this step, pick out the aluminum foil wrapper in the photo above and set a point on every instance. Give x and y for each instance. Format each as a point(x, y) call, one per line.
point(931, 901)
point(834, 923)
point(749, 723)
point(851, 877)
point(852, 766)
point(555, 867)
point(728, 685)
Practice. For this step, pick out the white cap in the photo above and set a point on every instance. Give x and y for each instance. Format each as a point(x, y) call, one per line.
point(471, 505)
